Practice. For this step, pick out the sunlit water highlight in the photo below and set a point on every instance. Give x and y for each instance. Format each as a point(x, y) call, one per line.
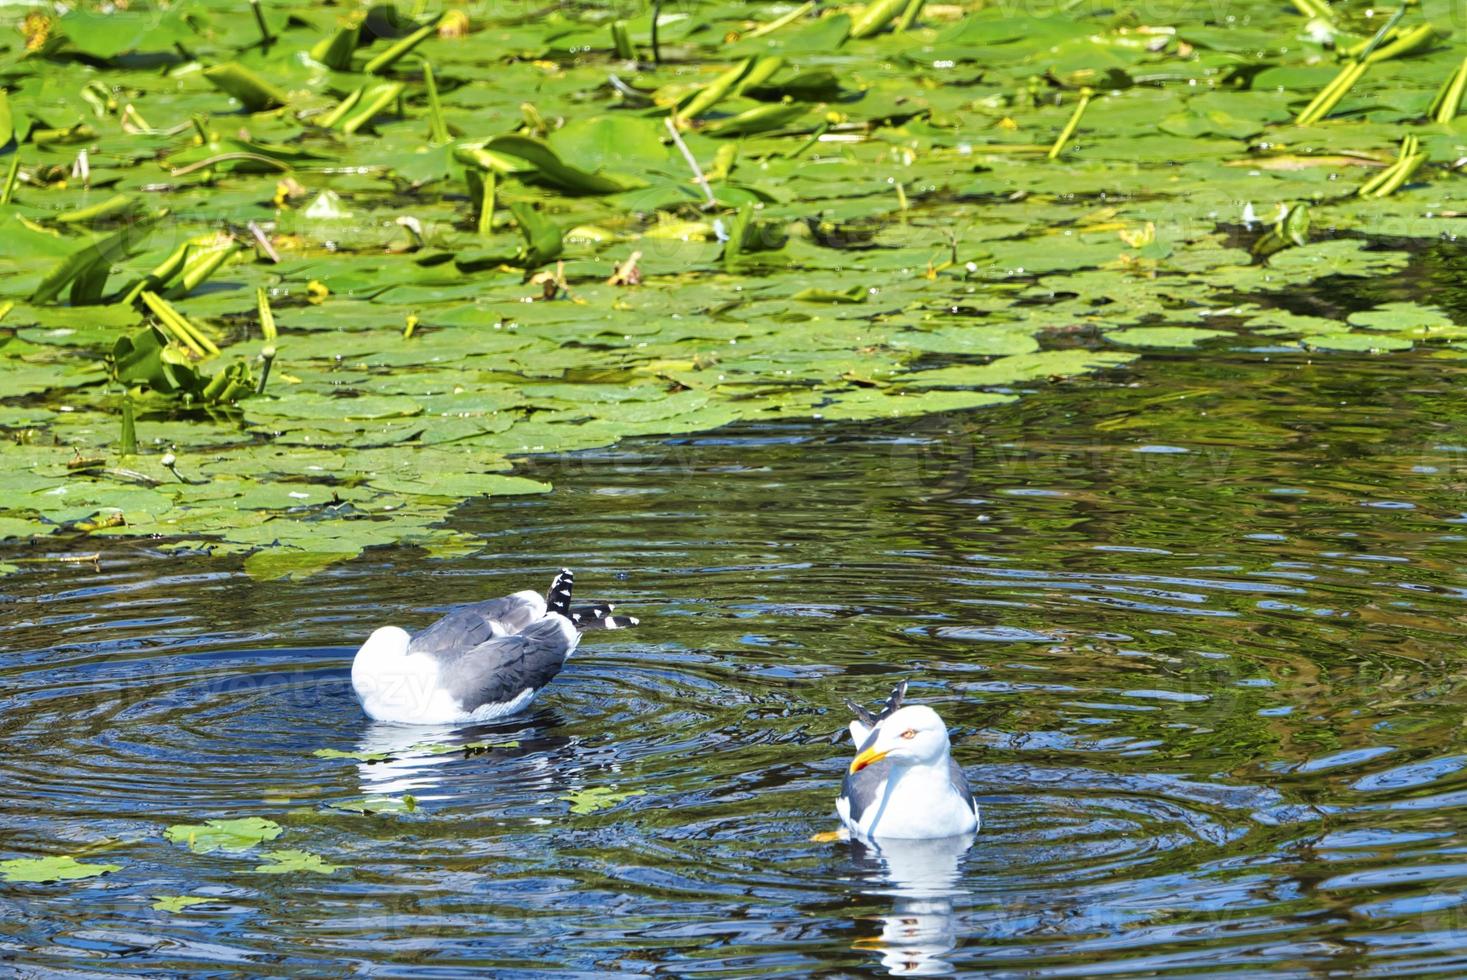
point(1199, 642)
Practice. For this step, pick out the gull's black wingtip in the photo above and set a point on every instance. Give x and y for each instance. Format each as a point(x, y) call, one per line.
point(894, 701)
point(862, 715)
point(599, 617)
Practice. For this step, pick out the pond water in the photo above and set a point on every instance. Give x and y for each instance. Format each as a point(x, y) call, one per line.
point(1198, 641)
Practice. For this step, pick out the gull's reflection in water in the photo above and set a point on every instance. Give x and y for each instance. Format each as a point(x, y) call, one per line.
point(427, 762)
point(922, 878)
point(414, 762)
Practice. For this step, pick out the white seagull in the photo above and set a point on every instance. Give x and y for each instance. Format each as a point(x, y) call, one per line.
point(481, 661)
point(903, 782)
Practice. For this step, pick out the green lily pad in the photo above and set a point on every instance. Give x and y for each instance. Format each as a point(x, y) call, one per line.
point(51, 869)
point(231, 836)
point(1163, 336)
point(177, 903)
point(1402, 316)
point(465, 748)
point(597, 798)
point(379, 804)
point(292, 862)
point(1361, 343)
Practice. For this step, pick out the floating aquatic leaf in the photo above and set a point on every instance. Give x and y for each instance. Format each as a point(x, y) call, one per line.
point(51, 869)
point(597, 798)
point(1402, 316)
point(224, 835)
point(292, 862)
point(379, 804)
point(358, 756)
point(114, 32)
point(1364, 343)
point(466, 748)
point(177, 903)
point(278, 563)
point(1163, 336)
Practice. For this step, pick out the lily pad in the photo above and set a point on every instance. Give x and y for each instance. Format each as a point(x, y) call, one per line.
point(1402, 316)
point(597, 798)
point(231, 836)
point(51, 869)
point(379, 804)
point(292, 862)
point(1163, 336)
point(177, 903)
point(1360, 343)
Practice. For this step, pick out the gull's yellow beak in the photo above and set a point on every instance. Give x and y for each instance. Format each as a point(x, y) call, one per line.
point(865, 759)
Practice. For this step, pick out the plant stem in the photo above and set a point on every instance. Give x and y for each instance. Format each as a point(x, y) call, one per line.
point(129, 444)
point(265, 37)
point(435, 108)
point(656, 49)
point(677, 138)
point(268, 356)
point(1074, 123)
point(621, 41)
point(11, 177)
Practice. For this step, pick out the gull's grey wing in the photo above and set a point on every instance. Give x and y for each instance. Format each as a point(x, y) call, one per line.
point(468, 626)
point(499, 670)
point(960, 783)
point(863, 789)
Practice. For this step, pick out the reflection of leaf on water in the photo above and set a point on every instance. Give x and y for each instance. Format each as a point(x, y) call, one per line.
point(597, 798)
point(51, 869)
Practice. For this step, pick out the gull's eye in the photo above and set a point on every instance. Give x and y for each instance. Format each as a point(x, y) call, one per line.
point(910, 733)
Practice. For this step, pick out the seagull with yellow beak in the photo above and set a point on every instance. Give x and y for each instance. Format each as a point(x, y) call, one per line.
point(903, 782)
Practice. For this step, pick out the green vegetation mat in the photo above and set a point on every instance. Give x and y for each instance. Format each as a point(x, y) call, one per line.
point(294, 281)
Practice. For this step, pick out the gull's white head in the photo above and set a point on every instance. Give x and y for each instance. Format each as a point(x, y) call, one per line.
point(913, 735)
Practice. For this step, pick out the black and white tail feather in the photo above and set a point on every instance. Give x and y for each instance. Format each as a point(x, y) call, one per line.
point(597, 617)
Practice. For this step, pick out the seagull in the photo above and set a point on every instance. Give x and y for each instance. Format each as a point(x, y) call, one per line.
point(903, 782)
point(481, 661)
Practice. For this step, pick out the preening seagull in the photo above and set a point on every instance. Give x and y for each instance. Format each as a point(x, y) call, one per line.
point(903, 781)
point(481, 661)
